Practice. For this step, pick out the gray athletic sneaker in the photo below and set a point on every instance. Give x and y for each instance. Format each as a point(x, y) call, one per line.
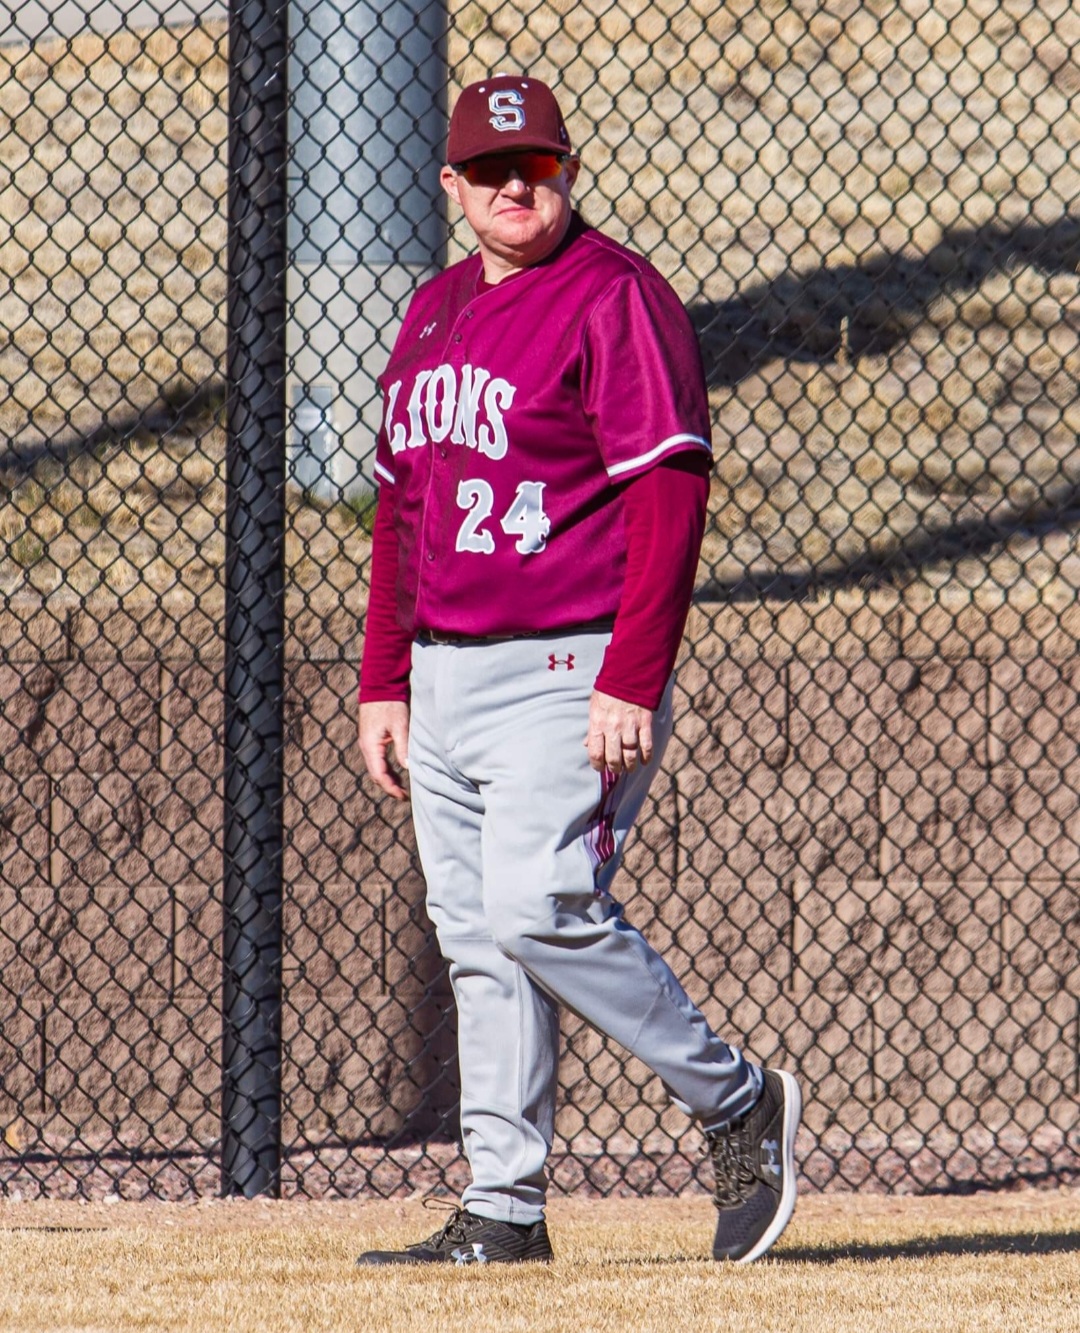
point(754, 1162)
point(465, 1238)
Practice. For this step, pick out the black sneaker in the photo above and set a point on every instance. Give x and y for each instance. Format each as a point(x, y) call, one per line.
point(465, 1238)
point(754, 1161)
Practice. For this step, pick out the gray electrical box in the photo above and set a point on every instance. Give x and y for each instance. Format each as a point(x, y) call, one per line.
point(315, 440)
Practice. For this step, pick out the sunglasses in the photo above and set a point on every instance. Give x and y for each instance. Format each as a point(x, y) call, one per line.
point(495, 171)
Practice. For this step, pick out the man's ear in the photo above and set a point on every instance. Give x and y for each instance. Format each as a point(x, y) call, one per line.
point(448, 179)
point(571, 167)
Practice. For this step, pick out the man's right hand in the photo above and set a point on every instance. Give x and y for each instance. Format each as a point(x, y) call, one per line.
point(382, 724)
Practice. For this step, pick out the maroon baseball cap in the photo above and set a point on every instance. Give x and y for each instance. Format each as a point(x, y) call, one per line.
point(505, 114)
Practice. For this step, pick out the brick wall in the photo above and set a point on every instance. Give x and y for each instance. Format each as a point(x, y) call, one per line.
point(864, 862)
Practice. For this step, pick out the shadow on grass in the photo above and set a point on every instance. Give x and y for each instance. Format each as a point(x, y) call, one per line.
point(867, 309)
point(862, 309)
point(962, 540)
point(60, 1230)
point(924, 1247)
point(179, 408)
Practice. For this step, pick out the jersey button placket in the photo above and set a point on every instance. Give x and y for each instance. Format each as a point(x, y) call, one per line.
point(455, 352)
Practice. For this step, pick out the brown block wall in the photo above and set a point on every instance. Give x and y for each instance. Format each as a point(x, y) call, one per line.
point(864, 865)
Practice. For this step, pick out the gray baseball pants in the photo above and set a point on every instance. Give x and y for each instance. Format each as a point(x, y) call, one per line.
point(520, 839)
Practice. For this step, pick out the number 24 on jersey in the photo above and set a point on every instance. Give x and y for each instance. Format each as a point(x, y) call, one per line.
point(525, 518)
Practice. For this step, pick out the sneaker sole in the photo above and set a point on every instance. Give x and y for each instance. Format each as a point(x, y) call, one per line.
point(792, 1117)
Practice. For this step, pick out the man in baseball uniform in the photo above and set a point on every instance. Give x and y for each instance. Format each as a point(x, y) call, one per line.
point(543, 466)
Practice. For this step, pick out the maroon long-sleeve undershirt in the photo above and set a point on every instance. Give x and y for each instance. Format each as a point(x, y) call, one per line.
point(384, 666)
point(664, 512)
point(665, 518)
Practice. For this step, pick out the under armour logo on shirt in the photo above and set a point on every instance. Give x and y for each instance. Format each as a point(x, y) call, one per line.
point(567, 661)
point(428, 328)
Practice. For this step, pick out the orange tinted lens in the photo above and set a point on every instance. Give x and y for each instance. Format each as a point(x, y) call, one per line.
point(495, 171)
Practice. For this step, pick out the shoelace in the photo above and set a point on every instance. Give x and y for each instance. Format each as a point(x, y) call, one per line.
point(453, 1229)
point(731, 1157)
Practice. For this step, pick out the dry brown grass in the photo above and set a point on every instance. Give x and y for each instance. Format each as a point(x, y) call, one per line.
point(142, 525)
point(974, 415)
point(1004, 1264)
point(112, 227)
point(741, 146)
point(743, 143)
point(791, 132)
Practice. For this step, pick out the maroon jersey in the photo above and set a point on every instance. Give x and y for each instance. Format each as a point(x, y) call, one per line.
point(511, 415)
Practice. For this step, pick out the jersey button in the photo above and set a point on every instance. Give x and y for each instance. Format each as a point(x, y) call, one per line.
point(457, 337)
point(431, 555)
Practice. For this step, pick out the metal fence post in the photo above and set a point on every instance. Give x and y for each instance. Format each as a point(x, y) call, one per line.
point(367, 223)
point(254, 607)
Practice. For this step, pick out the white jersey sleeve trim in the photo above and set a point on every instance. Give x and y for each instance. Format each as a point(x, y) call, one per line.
point(663, 447)
point(380, 471)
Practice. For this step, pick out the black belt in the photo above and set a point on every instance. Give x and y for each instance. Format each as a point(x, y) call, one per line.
point(442, 637)
point(437, 636)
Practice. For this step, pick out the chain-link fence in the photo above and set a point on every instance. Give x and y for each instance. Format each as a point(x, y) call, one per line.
point(863, 857)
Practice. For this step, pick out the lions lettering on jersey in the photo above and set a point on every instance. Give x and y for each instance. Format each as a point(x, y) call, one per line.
point(466, 406)
point(467, 410)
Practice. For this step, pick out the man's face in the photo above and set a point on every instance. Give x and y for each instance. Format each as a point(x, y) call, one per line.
point(518, 211)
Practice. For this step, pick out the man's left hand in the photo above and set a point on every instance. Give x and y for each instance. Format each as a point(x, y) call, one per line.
point(620, 734)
